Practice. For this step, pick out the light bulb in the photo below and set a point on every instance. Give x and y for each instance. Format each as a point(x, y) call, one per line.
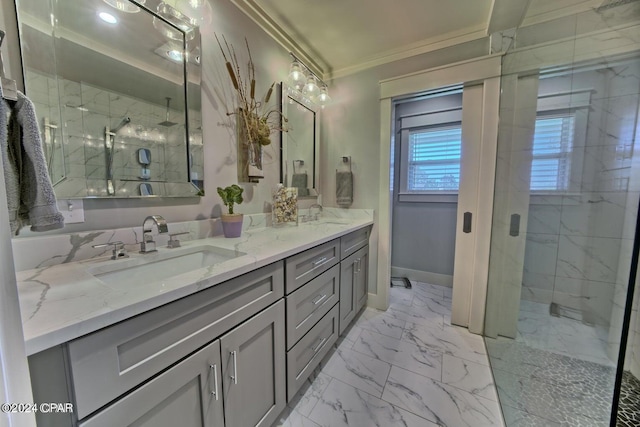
point(296, 76)
point(311, 88)
point(323, 98)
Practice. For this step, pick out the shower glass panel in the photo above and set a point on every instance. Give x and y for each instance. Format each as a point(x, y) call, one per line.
point(565, 207)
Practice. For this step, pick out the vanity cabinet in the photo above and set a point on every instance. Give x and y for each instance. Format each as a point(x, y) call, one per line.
point(187, 395)
point(231, 355)
point(253, 356)
point(354, 268)
point(191, 393)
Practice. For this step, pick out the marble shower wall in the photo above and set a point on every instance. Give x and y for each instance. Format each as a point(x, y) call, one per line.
point(573, 249)
point(81, 121)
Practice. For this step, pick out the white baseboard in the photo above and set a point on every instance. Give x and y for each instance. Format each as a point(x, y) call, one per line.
point(423, 276)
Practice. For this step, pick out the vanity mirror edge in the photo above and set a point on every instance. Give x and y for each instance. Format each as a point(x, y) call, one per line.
point(286, 166)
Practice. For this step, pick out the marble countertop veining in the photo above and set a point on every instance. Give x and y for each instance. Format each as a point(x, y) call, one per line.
point(62, 302)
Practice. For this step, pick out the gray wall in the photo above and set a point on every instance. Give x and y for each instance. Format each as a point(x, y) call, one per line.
point(423, 234)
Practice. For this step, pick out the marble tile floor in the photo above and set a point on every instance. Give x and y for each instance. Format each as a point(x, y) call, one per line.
point(538, 329)
point(404, 367)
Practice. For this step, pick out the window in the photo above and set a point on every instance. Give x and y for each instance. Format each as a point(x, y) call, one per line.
point(434, 159)
point(552, 146)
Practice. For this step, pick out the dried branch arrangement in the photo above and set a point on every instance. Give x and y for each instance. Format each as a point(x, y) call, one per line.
point(256, 118)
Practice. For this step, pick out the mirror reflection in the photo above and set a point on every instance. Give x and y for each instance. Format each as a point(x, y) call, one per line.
point(108, 83)
point(299, 144)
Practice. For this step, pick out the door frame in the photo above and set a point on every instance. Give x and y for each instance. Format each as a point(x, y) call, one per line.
point(471, 71)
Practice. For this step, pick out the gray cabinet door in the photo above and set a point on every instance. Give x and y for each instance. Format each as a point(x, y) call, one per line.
point(361, 287)
point(187, 395)
point(347, 281)
point(254, 382)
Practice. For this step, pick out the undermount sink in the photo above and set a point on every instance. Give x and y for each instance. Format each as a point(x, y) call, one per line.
point(160, 266)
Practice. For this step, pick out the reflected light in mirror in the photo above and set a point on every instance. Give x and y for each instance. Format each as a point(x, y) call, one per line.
point(108, 18)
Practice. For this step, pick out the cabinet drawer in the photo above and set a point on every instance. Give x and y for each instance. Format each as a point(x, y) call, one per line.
point(305, 266)
point(303, 358)
point(354, 241)
point(309, 303)
point(189, 394)
point(124, 355)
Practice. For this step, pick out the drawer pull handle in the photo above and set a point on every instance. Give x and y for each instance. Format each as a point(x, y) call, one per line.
point(320, 261)
point(317, 300)
point(316, 348)
point(214, 392)
point(234, 377)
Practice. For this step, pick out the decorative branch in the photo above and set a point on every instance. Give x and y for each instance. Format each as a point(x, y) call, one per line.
point(258, 121)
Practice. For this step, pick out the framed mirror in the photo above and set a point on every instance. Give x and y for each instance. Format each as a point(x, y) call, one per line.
point(299, 162)
point(116, 86)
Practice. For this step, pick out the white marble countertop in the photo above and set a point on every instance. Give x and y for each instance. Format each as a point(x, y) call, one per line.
point(62, 302)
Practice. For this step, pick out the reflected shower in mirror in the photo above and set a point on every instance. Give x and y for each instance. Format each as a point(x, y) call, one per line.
point(117, 94)
point(299, 144)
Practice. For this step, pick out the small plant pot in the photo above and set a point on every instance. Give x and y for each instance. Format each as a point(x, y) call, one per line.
point(232, 225)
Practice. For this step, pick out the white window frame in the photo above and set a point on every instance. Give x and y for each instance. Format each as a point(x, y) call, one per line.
point(565, 157)
point(576, 103)
point(428, 121)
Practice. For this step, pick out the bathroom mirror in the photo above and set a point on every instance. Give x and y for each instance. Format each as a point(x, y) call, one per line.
point(116, 86)
point(299, 144)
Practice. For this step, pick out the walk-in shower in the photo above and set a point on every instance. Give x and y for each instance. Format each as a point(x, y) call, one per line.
point(567, 165)
point(109, 149)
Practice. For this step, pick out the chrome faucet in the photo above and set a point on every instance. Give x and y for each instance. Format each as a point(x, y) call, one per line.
point(315, 217)
point(148, 245)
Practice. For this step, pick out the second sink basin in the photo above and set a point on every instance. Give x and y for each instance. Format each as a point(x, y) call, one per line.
point(160, 266)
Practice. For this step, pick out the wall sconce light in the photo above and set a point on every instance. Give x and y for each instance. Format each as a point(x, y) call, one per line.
point(305, 81)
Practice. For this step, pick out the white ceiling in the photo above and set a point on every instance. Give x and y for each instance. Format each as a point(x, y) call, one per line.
point(342, 36)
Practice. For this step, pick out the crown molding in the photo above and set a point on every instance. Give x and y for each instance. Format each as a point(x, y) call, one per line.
point(561, 12)
point(414, 49)
point(277, 33)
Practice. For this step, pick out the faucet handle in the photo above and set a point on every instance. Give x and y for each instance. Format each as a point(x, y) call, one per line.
point(175, 243)
point(118, 252)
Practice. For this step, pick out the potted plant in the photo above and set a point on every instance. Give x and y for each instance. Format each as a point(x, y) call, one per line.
point(231, 222)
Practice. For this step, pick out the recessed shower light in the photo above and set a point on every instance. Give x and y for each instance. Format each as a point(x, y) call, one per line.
point(108, 18)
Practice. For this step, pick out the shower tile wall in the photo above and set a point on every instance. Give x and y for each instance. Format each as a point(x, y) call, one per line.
point(83, 131)
point(573, 246)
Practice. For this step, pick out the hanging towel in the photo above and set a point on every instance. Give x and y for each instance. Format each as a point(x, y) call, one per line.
point(30, 195)
point(344, 188)
point(299, 180)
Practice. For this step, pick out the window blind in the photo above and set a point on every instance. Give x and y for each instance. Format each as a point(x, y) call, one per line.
point(552, 146)
point(434, 159)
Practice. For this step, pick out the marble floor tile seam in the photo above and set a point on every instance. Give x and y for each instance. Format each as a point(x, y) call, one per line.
point(433, 352)
point(377, 397)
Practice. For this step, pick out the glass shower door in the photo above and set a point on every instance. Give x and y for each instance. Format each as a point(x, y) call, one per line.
point(566, 199)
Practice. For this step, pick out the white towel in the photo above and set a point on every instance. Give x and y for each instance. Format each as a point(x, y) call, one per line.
point(344, 188)
point(30, 195)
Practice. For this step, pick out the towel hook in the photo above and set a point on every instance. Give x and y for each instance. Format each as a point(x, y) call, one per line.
point(8, 87)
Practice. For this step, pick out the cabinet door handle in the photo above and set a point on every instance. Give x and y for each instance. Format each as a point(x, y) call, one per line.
point(234, 377)
point(317, 300)
point(317, 347)
point(320, 261)
point(359, 265)
point(214, 392)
